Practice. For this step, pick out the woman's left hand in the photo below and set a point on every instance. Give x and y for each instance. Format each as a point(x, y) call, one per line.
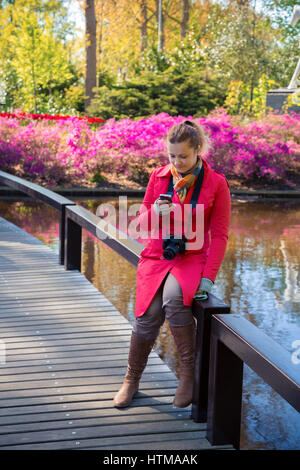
point(201, 295)
point(199, 291)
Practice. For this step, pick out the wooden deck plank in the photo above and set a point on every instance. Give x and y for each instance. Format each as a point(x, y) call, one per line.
point(68, 336)
point(91, 412)
point(66, 356)
point(156, 379)
point(75, 405)
point(86, 422)
point(77, 389)
point(83, 372)
point(28, 325)
point(31, 320)
point(62, 329)
point(33, 307)
point(164, 442)
point(103, 342)
point(120, 429)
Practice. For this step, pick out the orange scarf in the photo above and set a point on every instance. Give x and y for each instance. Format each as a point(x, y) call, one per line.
point(184, 183)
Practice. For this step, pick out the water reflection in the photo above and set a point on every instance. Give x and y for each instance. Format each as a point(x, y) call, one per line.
point(259, 278)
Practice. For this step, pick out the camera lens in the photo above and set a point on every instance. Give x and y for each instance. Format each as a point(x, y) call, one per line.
point(169, 254)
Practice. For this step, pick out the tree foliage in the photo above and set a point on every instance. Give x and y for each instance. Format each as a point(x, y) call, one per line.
point(34, 58)
point(229, 52)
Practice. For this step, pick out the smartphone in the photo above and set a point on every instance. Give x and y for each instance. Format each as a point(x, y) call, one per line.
point(165, 197)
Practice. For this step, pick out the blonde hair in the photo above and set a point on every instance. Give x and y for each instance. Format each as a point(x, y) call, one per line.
point(191, 131)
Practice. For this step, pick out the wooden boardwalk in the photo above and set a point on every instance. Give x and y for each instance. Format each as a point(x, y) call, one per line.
point(66, 354)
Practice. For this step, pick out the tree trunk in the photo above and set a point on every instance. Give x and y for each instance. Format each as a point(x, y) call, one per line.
point(100, 41)
point(91, 50)
point(185, 16)
point(144, 31)
point(161, 25)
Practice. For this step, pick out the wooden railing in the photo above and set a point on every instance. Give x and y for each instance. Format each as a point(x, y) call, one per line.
point(223, 341)
point(235, 341)
point(76, 218)
point(47, 196)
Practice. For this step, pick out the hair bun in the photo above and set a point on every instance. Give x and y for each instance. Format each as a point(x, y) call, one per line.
point(189, 123)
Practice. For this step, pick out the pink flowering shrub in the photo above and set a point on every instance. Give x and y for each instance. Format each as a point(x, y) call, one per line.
point(70, 151)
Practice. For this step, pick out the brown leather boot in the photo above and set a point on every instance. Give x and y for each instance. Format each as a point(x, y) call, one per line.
point(184, 337)
point(139, 351)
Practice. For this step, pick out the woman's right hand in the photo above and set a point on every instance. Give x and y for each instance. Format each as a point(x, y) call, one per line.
point(163, 206)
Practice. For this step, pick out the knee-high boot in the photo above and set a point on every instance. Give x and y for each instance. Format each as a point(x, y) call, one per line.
point(139, 351)
point(184, 337)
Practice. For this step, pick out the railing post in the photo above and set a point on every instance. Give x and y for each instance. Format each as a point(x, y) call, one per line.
point(225, 394)
point(62, 230)
point(72, 244)
point(62, 235)
point(203, 312)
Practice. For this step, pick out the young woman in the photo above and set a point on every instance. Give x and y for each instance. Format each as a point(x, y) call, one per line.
point(166, 287)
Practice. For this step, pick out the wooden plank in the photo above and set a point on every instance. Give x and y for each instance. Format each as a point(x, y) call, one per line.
point(27, 322)
point(22, 270)
point(108, 314)
point(65, 336)
point(18, 306)
point(91, 356)
point(156, 378)
point(86, 370)
point(69, 423)
point(28, 367)
point(151, 394)
point(61, 329)
point(89, 385)
point(36, 306)
point(52, 295)
point(87, 364)
point(60, 291)
point(84, 394)
point(22, 287)
point(93, 411)
point(123, 429)
point(103, 341)
point(39, 349)
point(184, 443)
point(91, 404)
point(51, 274)
point(44, 318)
point(108, 442)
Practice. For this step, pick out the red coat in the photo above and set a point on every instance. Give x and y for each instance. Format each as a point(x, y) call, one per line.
point(190, 267)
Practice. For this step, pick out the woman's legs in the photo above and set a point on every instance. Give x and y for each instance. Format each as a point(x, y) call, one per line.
point(144, 334)
point(167, 303)
point(182, 326)
point(148, 325)
point(176, 313)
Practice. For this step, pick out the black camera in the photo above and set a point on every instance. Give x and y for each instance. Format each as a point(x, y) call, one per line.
point(172, 246)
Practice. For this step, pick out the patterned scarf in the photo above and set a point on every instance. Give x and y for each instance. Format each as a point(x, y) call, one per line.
point(184, 181)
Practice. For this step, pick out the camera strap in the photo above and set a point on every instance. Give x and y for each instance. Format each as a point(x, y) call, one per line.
point(196, 192)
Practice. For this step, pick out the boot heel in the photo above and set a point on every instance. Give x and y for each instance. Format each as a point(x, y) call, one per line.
point(125, 395)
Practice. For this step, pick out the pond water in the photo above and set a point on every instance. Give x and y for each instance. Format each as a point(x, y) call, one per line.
point(259, 279)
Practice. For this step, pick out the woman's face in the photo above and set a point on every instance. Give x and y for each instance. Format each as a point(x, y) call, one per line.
point(182, 155)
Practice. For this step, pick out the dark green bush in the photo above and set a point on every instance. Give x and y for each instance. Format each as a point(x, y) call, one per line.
point(188, 93)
